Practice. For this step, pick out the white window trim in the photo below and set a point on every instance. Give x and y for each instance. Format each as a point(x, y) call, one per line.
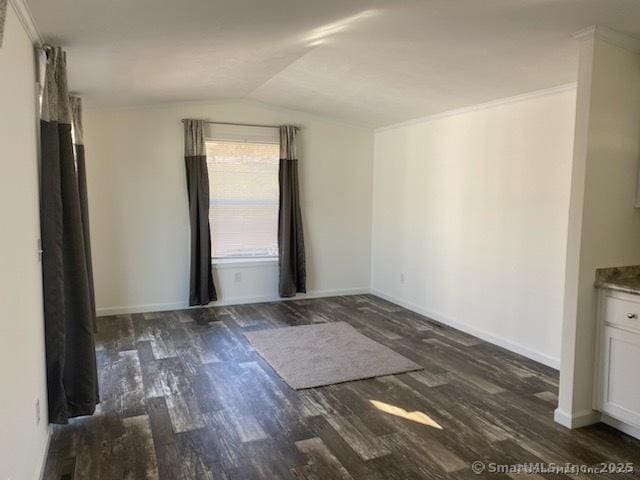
point(241, 133)
point(241, 262)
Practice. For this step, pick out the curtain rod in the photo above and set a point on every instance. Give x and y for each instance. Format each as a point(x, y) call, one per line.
point(238, 124)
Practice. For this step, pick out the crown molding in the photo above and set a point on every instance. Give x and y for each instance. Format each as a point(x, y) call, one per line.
point(483, 106)
point(608, 35)
point(26, 19)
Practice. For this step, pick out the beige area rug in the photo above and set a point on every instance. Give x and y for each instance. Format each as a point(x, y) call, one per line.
point(309, 356)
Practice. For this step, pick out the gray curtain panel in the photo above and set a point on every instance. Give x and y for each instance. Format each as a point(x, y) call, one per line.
point(290, 236)
point(78, 145)
point(3, 16)
point(201, 287)
point(72, 380)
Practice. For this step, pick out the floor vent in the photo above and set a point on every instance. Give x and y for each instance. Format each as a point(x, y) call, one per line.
point(68, 470)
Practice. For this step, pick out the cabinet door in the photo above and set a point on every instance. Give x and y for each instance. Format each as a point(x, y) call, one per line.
point(620, 381)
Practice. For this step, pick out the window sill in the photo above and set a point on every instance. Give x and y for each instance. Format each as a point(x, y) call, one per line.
point(222, 263)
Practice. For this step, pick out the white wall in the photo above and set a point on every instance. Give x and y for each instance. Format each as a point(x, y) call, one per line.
point(472, 209)
point(138, 205)
point(604, 227)
point(22, 375)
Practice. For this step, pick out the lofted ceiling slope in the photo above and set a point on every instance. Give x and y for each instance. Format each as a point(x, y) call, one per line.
point(370, 62)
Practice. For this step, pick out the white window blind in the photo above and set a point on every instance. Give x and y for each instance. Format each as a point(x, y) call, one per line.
point(243, 190)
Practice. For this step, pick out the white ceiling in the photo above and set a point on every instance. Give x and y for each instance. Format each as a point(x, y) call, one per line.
point(371, 62)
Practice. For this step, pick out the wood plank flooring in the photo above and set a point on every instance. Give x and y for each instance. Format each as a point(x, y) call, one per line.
point(184, 396)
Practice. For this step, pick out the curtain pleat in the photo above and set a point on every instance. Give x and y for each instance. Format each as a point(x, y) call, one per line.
point(78, 145)
point(291, 251)
point(3, 16)
point(72, 380)
point(201, 287)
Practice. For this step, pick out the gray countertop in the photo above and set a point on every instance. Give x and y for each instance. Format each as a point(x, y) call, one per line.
point(621, 279)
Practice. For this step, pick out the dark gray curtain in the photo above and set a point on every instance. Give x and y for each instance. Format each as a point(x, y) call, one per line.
point(201, 288)
point(78, 146)
point(290, 237)
point(72, 380)
point(3, 15)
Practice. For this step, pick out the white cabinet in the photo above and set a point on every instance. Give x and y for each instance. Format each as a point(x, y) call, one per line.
point(618, 357)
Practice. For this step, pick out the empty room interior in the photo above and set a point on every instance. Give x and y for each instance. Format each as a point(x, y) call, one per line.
point(318, 240)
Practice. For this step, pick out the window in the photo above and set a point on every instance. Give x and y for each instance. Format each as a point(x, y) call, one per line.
point(243, 181)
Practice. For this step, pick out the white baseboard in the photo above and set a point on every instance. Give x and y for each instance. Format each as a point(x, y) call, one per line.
point(476, 332)
point(161, 307)
point(623, 427)
point(151, 307)
point(497, 340)
point(577, 420)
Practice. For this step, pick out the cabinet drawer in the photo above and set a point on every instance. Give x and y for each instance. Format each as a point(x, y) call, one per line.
point(623, 312)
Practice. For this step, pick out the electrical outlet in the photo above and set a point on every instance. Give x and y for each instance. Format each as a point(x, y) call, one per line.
point(402, 278)
point(237, 277)
point(37, 411)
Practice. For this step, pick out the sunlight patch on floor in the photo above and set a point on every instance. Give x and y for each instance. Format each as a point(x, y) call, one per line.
point(416, 416)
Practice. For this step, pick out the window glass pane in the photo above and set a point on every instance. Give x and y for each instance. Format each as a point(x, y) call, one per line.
point(243, 190)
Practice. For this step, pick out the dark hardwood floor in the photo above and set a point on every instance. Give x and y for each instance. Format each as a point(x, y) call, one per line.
point(185, 397)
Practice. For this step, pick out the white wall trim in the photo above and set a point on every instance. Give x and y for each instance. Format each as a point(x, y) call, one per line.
point(147, 308)
point(161, 307)
point(609, 35)
point(577, 420)
point(623, 427)
point(223, 264)
point(26, 19)
point(496, 340)
point(483, 106)
point(476, 332)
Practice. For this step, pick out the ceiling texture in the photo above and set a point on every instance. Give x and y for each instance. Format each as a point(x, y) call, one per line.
point(367, 62)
